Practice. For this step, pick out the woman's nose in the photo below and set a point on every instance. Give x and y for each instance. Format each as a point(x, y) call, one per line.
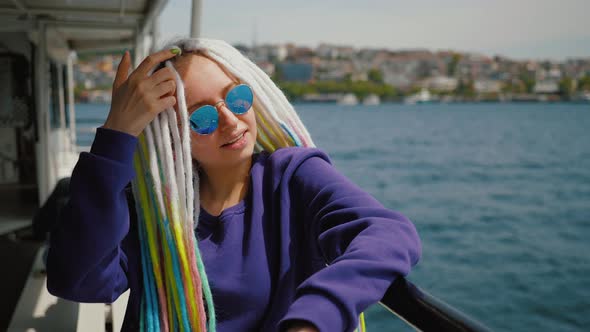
point(227, 119)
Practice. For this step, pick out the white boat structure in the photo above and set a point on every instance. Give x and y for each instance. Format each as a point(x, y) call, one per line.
point(39, 44)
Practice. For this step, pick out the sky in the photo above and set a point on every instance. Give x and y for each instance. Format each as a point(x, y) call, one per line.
point(519, 29)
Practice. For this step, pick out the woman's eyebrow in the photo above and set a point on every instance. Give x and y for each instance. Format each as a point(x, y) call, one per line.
point(225, 91)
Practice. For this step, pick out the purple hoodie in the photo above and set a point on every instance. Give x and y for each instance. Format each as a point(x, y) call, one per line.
point(305, 243)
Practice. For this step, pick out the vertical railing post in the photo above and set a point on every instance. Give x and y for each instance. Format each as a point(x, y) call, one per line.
point(42, 110)
point(196, 19)
point(71, 101)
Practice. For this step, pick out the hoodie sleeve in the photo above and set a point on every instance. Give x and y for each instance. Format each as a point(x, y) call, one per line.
point(365, 245)
point(85, 262)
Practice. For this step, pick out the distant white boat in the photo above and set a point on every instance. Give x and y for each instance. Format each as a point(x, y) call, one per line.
point(322, 97)
point(348, 99)
point(423, 96)
point(99, 97)
point(372, 100)
point(582, 97)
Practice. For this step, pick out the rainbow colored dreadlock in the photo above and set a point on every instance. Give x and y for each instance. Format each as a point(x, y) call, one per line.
point(166, 191)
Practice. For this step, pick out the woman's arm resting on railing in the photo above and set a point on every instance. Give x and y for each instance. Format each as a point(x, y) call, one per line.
point(366, 245)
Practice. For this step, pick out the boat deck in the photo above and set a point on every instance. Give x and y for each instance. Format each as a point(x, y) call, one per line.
point(26, 304)
point(17, 248)
point(17, 254)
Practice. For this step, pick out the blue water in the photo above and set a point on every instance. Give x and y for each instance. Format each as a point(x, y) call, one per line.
point(500, 194)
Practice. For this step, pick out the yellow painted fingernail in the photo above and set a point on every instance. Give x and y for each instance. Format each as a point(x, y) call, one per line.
point(175, 50)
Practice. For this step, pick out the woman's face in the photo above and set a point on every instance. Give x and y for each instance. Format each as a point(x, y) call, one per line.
point(205, 83)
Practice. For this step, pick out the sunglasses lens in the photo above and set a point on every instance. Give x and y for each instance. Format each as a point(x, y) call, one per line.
point(204, 120)
point(239, 99)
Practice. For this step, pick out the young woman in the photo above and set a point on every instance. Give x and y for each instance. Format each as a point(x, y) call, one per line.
point(282, 241)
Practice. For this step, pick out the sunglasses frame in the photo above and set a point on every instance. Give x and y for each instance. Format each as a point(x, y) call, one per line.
point(224, 101)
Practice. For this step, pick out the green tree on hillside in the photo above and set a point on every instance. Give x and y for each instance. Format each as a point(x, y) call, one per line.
point(296, 90)
point(566, 87)
point(453, 64)
point(584, 83)
point(465, 88)
point(528, 80)
point(374, 75)
point(513, 86)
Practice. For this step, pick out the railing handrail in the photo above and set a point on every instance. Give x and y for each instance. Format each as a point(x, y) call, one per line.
point(424, 312)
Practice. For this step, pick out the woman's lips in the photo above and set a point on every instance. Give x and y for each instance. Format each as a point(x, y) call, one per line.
point(237, 142)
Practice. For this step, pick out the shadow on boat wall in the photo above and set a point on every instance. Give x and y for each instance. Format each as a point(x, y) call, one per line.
point(18, 183)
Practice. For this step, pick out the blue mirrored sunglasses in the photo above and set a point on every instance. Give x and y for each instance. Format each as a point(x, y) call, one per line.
point(205, 119)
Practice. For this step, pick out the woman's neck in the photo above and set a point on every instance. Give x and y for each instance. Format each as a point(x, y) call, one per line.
point(223, 187)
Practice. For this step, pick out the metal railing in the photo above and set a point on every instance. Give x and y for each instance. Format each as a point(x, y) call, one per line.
point(424, 312)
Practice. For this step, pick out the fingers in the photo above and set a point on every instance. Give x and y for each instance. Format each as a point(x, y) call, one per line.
point(164, 74)
point(166, 102)
point(122, 70)
point(165, 88)
point(153, 60)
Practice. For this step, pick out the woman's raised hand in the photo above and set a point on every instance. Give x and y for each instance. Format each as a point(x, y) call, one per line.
point(139, 98)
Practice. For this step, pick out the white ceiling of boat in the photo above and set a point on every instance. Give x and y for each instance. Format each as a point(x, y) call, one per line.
point(84, 23)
